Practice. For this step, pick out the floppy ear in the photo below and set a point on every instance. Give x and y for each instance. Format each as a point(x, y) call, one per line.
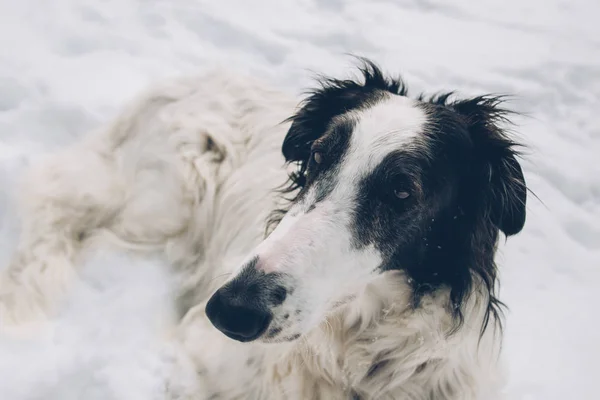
point(334, 97)
point(311, 121)
point(509, 196)
point(308, 124)
point(503, 180)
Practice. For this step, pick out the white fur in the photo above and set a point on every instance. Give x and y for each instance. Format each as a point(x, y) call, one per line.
point(392, 123)
point(314, 249)
point(190, 168)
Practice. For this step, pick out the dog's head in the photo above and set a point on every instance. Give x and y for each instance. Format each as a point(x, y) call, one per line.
point(384, 183)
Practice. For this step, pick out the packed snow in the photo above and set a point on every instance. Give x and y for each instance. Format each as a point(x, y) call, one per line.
point(67, 66)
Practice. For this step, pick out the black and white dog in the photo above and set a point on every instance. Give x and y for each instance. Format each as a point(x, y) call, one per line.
point(376, 279)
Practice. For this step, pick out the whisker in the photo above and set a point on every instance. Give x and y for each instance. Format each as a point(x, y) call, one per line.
point(220, 276)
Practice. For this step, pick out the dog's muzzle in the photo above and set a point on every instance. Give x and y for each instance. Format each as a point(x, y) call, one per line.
point(241, 308)
point(238, 321)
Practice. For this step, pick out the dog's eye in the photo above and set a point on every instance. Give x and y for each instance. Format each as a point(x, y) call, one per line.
point(401, 194)
point(318, 157)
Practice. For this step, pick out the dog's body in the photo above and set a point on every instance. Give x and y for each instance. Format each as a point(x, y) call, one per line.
point(193, 169)
point(171, 171)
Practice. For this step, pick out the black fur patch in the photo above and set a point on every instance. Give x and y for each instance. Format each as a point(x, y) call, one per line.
point(333, 98)
point(464, 180)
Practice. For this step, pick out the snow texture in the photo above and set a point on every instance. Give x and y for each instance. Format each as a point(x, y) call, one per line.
point(67, 66)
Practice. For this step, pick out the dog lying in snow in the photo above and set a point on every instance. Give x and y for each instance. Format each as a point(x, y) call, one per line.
point(370, 274)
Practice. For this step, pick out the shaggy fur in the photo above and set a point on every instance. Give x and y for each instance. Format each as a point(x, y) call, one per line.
point(377, 279)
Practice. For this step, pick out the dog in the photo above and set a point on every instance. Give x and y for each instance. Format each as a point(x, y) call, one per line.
point(342, 248)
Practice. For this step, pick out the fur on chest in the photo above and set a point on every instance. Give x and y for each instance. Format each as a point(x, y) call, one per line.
point(374, 347)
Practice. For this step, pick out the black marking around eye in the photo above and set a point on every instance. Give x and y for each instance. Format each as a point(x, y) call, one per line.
point(334, 145)
point(471, 165)
point(379, 217)
point(337, 140)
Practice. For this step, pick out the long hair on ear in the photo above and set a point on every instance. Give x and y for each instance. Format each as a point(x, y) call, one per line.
point(332, 97)
point(493, 196)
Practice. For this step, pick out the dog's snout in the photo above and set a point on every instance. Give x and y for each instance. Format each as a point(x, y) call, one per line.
point(243, 308)
point(239, 321)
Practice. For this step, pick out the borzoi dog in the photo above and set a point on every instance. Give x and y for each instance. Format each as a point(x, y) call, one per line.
point(374, 277)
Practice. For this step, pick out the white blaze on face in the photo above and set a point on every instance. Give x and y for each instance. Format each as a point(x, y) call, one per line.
point(315, 247)
point(396, 122)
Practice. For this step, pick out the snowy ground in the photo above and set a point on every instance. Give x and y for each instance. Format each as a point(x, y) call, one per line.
point(68, 65)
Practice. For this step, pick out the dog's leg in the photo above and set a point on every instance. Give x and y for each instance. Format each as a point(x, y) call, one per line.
point(63, 199)
point(142, 180)
point(202, 167)
point(150, 179)
point(60, 200)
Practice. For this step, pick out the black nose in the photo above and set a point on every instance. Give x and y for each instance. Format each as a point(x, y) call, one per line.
point(238, 321)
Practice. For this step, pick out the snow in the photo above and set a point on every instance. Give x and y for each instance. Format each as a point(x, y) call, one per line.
point(67, 66)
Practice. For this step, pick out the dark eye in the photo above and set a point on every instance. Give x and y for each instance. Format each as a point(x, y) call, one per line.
point(318, 157)
point(401, 194)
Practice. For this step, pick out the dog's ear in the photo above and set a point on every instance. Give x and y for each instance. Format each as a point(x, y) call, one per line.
point(501, 177)
point(334, 97)
point(309, 123)
point(316, 113)
point(509, 195)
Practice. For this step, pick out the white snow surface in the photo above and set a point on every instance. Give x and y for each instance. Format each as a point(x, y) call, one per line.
point(67, 66)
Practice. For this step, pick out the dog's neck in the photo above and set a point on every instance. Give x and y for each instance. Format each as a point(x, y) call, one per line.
point(382, 347)
point(377, 346)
